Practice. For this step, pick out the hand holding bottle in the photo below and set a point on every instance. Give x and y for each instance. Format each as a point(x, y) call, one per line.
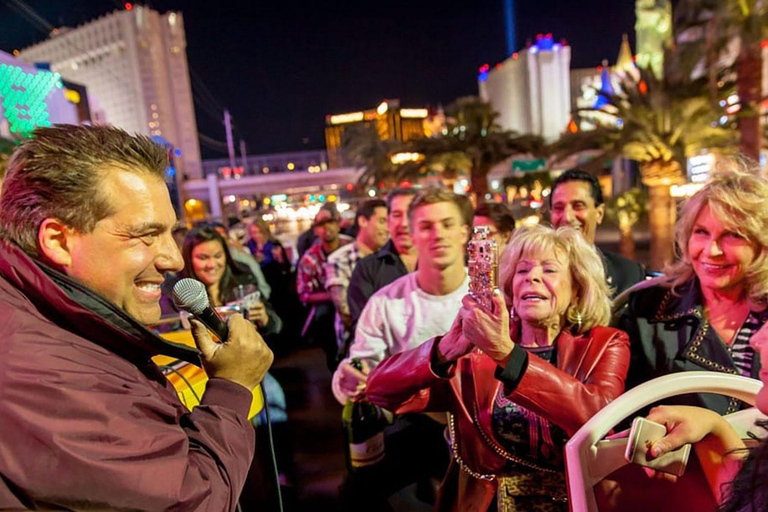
point(354, 380)
point(363, 425)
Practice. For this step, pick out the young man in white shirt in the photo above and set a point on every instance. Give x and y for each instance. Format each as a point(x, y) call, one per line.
point(401, 316)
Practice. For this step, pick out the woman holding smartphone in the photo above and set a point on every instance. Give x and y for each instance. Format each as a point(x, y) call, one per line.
point(517, 382)
point(207, 259)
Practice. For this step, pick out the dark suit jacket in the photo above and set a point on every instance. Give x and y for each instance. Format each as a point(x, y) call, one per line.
point(670, 333)
point(620, 272)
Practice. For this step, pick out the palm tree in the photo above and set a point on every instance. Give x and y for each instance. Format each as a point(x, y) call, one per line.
point(720, 38)
point(364, 149)
point(449, 166)
point(625, 210)
point(659, 126)
point(471, 129)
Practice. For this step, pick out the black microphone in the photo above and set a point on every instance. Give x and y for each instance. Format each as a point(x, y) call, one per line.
point(190, 295)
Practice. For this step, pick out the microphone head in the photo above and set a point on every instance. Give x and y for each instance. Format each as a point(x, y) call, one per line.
point(190, 295)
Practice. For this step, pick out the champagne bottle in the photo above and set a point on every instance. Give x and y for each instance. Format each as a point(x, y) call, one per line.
point(363, 425)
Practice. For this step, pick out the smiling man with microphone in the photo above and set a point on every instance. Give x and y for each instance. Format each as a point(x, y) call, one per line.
point(88, 420)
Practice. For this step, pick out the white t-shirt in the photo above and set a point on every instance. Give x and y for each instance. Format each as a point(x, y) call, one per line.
point(401, 316)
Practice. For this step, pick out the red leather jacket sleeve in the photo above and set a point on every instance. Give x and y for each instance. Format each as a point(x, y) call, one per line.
point(570, 400)
point(405, 382)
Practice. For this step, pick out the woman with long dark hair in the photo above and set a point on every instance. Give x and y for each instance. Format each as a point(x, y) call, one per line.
point(207, 259)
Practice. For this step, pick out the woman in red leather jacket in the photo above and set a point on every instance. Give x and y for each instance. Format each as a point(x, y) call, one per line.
point(517, 382)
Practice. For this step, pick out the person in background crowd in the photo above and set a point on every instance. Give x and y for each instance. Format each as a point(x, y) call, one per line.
point(577, 201)
point(308, 238)
point(372, 234)
point(403, 315)
point(517, 382)
point(703, 312)
point(310, 284)
point(498, 218)
point(266, 249)
point(243, 255)
point(395, 259)
point(207, 259)
point(281, 277)
point(85, 222)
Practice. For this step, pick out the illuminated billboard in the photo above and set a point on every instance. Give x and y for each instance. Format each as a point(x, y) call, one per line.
point(32, 97)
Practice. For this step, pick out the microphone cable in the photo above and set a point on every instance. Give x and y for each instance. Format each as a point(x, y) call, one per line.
point(272, 448)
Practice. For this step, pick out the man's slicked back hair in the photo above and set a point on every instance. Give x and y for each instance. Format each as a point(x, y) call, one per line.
point(579, 175)
point(367, 208)
point(399, 192)
point(58, 174)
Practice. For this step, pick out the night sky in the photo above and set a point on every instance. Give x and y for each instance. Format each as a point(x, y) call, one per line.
point(281, 66)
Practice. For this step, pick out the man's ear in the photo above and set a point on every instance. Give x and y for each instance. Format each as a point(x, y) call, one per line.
point(466, 231)
point(600, 213)
point(54, 239)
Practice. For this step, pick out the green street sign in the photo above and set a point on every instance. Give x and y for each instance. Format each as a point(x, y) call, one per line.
point(530, 165)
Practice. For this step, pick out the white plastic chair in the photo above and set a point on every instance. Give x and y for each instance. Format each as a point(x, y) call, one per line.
point(589, 458)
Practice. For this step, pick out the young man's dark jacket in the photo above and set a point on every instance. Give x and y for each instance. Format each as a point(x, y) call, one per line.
point(88, 421)
point(371, 274)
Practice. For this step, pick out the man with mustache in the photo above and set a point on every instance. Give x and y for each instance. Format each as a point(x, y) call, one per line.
point(577, 201)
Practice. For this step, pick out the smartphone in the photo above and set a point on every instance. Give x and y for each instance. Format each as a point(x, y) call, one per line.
point(483, 266)
point(641, 436)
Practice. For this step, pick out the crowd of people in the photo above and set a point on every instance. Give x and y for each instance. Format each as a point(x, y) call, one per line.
point(480, 401)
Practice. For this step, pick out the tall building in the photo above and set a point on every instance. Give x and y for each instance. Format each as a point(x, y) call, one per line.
point(134, 63)
point(389, 120)
point(531, 89)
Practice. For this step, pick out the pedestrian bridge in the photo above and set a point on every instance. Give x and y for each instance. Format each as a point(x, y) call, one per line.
point(296, 182)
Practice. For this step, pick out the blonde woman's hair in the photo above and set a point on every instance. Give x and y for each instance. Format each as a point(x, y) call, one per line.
point(591, 294)
point(738, 197)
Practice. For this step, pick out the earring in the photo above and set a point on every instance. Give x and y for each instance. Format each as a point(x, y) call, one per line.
point(511, 313)
point(574, 317)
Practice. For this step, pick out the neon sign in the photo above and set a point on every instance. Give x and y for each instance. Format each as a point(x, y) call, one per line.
point(23, 97)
